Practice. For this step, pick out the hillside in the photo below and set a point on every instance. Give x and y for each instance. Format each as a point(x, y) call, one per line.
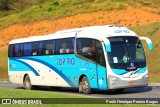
point(143, 16)
point(8, 7)
point(128, 17)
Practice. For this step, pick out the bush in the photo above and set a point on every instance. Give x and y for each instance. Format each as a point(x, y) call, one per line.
point(40, 1)
point(4, 4)
point(50, 9)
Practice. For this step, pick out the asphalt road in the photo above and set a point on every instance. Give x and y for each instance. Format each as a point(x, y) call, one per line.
point(151, 91)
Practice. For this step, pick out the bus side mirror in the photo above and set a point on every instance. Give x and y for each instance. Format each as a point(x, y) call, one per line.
point(107, 45)
point(149, 42)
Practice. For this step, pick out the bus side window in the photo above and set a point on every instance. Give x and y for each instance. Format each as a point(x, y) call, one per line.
point(18, 50)
point(100, 54)
point(50, 47)
point(11, 51)
point(65, 46)
point(86, 47)
point(20, 53)
point(34, 48)
point(27, 49)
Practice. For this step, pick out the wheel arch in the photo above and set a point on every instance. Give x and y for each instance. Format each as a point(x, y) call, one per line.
point(80, 78)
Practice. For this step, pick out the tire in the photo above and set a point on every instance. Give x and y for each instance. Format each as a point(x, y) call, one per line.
point(80, 87)
point(84, 86)
point(27, 83)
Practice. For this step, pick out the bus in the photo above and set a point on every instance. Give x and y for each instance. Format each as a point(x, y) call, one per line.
point(89, 58)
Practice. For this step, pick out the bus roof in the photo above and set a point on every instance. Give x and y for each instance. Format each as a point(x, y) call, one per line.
point(95, 32)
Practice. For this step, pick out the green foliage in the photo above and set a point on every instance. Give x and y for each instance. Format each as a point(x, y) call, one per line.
point(145, 3)
point(4, 4)
point(50, 9)
point(142, 3)
point(36, 10)
point(41, 1)
point(56, 3)
point(54, 9)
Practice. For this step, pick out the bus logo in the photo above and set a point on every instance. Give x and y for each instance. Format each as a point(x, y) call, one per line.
point(132, 64)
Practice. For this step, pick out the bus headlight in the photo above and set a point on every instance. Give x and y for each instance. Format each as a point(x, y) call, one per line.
point(113, 78)
point(145, 76)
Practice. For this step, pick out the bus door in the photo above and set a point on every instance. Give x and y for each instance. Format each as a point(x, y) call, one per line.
point(101, 66)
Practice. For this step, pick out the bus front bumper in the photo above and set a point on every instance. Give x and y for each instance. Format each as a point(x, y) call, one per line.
point(119, 84)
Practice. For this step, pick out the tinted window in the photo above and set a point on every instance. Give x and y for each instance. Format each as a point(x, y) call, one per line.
point(91, 49)
point(27, 49)
point(126, 51)
point(87, 48)
point(100, 54)
point(47, 47)
point(65, 46)
point(10, 50)
point(34, 48)
point(18, 50)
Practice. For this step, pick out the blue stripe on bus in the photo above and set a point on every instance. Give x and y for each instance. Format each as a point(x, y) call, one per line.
point(119, 71)
point(53, 68)
point(34, 71)
point(141, 70)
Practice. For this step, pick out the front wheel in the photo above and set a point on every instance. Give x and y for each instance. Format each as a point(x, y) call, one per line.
point(84, 86)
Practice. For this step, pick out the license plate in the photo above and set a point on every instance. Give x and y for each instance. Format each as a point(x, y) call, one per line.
point(132, 83)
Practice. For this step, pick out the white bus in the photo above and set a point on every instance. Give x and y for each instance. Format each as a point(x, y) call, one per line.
point(96, 57)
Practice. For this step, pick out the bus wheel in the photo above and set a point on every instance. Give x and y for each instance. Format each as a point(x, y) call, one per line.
point(27, 83)
point(85, 86)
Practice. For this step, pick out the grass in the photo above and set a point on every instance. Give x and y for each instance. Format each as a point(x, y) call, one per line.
point(37, 10)
point(20, 93)
point(54, 9)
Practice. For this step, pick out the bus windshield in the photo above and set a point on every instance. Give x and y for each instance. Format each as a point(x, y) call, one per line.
point(126, 53)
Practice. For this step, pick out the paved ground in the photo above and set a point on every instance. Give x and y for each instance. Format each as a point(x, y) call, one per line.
point(151, 91)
